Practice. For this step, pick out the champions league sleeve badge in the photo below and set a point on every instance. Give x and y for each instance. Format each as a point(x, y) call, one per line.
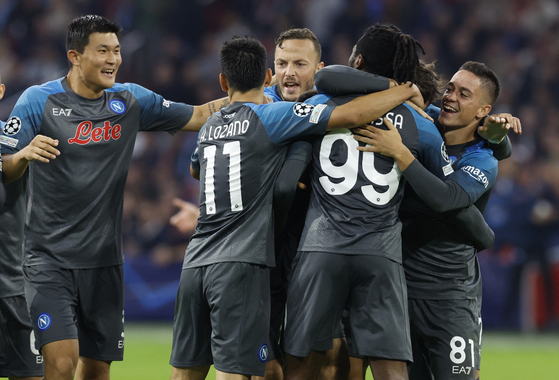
point(302, 109)
point(13, 126)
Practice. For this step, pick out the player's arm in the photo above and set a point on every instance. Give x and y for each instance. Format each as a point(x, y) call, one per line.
point(186, 218)
point(494, 130)
point(364, 109)
point(297, 159)
point(471, 223)
point(437, 194)
point(41, 148)
point(201, 113)
point(344, 80)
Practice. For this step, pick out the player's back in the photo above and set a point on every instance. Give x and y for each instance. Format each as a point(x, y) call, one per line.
point(240, 152)
point(356, 195)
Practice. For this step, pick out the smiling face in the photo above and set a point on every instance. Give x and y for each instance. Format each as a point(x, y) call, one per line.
point(295, 64)
point(464, 101)
point(95, 69)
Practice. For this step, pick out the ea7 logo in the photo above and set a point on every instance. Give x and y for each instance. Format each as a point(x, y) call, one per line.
point(61, 111)
point(476, 174)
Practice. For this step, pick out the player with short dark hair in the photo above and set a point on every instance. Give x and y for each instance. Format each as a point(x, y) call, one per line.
point(350, 251)
point(442, 270)
point(297, 58)
point(224, 283)
point(73, 251)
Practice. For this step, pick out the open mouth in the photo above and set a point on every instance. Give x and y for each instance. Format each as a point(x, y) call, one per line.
point(449, 109)
point(108, 72)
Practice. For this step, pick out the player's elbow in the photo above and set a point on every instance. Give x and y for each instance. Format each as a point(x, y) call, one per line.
point(194, 173)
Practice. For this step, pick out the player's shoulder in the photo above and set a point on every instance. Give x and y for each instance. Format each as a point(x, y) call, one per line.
point(43, 91)
point(480, 152)
point(423, 124)
point(272, 93)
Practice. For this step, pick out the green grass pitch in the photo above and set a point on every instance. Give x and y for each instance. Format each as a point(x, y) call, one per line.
point(505, 356)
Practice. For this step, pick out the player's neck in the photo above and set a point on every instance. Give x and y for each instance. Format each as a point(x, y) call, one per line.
point(461, 135)
point(255, 95)
point(78, 85)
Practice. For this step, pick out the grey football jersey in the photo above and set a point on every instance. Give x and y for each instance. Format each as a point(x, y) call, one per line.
point(240, 152)
point(356, 195)
point(12, 221)
point(75, 201)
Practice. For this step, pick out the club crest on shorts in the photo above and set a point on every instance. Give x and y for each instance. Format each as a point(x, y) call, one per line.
point(302, 109)
point(13, 125)
point(117, 106)
point(44, 321)
point(263, 353)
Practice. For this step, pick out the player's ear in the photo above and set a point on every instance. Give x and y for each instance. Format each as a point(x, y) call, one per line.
point(320, 66)
point(268, 78)
point(2, 89)
point(358, 62)
point(74, 57)
point(223, 82)
point(483, 111)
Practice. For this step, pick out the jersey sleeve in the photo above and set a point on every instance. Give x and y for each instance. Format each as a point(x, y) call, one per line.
point(298, 157)
point(501, 150)
point(25, 120)
point(272, 93)
point(287, 121)
point(476, 174)
point(157, 113)
point(194, 158)
point(345, 80)
point(432, 150)
point(471, 223)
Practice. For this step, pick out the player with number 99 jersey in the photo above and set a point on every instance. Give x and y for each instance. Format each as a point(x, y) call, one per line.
point(351, 245)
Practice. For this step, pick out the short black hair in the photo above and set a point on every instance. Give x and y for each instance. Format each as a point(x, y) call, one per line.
point(82, 27)
point(243, 63)
point(388, 52)
point(489, 81)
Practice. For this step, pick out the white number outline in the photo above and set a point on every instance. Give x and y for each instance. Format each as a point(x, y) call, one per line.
point(349, 171)
point(233, 150)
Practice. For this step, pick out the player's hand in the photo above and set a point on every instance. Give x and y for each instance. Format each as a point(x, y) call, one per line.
point(187, 218)
point(420, 111)
point(386, 142)
point(416, 98)
point(41, 148)
point(495, 127)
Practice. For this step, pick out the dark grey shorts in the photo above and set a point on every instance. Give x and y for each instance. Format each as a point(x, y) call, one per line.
point(18, 355)
point(222, 316)
point(84, 304)
point(446, 337)
point(373, 289)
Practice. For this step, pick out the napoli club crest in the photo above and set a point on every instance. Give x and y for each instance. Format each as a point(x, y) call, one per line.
point(117, 106)
point(44, 321)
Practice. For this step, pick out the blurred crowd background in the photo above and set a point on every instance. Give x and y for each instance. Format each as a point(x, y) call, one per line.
point(171, 47)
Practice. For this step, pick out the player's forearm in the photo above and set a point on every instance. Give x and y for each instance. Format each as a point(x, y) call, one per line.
point(501, 150)
point(403, 158)
point(472, 225)
point(365, 109)
point(439, 195)
point(13, 166)
point(340, 80)
point(201, 113)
